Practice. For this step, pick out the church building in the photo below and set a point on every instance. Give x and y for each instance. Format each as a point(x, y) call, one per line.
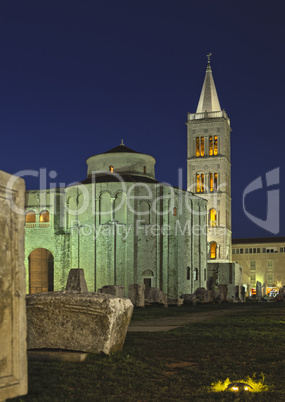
point(120, 225)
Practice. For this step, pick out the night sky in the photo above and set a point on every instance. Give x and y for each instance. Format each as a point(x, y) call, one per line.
point(78, 76)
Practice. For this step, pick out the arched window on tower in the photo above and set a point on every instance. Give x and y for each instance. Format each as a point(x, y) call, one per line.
point(198, 183)
point(202, 183)
point(213, 218)
point(197, 146)
point(211, 182)
point(30, 219)
point(144, 170)
point(111, 168)
point(215, 145)
point(174, 211)
point(213, 250)
point(215, 181)
point(195, 274)
point(211, 148)
point(202, 147)
point(44, 219)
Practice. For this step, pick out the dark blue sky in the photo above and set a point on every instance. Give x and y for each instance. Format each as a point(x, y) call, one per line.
point(77, 76)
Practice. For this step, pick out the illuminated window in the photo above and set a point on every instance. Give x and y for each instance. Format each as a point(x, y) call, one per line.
point(202, 184)
point(111, 168)
point(213, 218)
point(202, 146)
point(30, 217)
point(144, 170)
point(44, 219)
point(195, 276)
point(211, 148)
point(197, 146)
point(188, 273)
point(215, 145)
point(174, 211)
point(211, 182)
point(198, 183)
point(213, 250)
point(215, 181)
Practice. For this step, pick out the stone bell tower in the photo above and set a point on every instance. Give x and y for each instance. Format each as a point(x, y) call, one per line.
point(209, 167)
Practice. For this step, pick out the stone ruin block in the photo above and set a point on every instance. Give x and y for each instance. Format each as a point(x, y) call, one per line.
point(223, 292)
point(115, 290)
point(157, 296)
point(175, 301)
point(13, 348)
point(258, 291)
point(87, 322)
point(136, 294)
point(189, 299)
point(76, 281)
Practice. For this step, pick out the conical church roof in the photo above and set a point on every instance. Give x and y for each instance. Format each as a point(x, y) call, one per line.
point(209, 100)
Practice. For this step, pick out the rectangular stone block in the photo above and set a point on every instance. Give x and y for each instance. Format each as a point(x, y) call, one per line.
point(86, 322)
point(13, 348)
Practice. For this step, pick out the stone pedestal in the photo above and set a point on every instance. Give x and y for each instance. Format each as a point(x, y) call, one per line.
point(13, 349)
point(76, 281)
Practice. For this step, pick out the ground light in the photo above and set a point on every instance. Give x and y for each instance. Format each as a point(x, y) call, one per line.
point(246, 385)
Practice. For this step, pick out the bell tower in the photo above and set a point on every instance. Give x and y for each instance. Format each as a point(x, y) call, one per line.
point(209, 167)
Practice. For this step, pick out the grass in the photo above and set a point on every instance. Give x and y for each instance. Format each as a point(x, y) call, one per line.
point(185, 364)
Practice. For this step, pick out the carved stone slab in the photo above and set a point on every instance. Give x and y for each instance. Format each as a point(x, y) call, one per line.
point(13, 348)
point(87, 322)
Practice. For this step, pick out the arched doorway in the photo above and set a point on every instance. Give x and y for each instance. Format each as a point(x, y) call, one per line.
point(40, 271)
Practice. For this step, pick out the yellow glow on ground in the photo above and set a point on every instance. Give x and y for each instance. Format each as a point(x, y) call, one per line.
point(254, 385)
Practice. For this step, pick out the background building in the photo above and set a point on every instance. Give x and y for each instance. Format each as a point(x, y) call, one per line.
point(263, 260)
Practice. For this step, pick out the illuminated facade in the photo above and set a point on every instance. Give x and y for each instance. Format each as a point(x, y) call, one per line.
point(263, 260)
point(120, 225)
point(209, 167)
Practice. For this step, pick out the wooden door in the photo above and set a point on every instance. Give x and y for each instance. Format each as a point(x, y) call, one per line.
point(41, 271)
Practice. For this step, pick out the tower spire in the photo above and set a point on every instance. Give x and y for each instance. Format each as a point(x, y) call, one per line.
point(209, 100)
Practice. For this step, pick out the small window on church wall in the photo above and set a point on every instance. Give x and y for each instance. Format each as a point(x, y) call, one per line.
point(198, 183)
point(188, 273)
point(213, 218)
point(211, 149)
point(202, 184)
point(195, 276)
point(215, 145)
point(111, 168)
point(30, 217)
point(144, 170)
point(174, 211)
point(197, 146)
point(213, 250)
point(215, 181)
point(202, 147)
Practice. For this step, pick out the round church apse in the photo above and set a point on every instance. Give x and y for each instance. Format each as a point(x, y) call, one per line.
point(41, 268)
